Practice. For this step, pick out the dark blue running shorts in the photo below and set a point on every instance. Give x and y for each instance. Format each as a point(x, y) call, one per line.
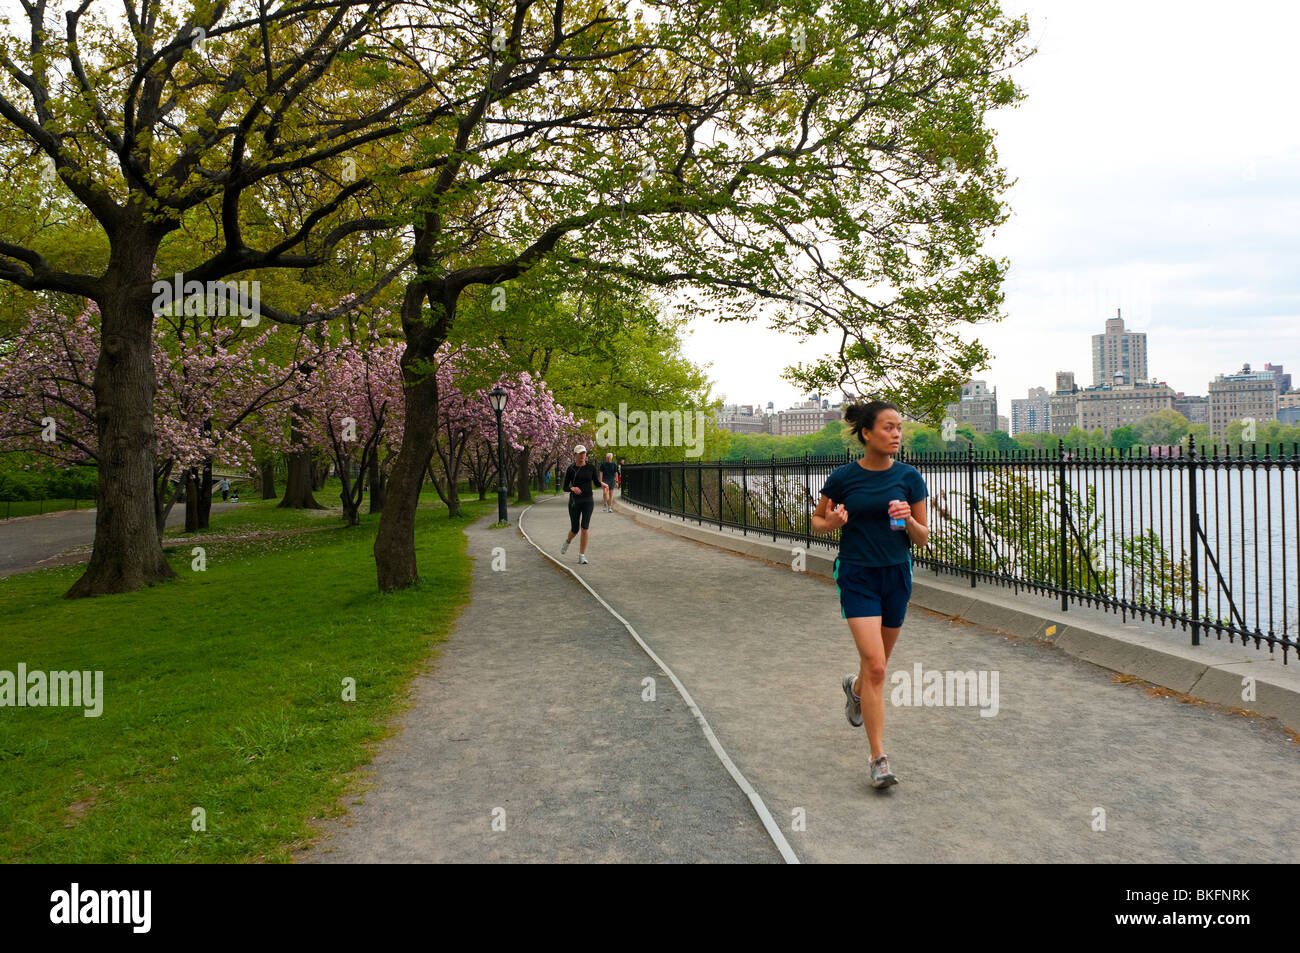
point(867, 591)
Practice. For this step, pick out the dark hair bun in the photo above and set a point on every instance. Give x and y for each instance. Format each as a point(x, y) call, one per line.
point(862, 416)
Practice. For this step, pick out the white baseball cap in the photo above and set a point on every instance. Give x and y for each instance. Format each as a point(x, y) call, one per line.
point(579, 449)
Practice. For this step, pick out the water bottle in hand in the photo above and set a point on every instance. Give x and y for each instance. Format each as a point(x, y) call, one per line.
point(896, 522)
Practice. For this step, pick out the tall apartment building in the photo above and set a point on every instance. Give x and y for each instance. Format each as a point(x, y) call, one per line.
point(1238, 396)
point(807, 417)
point(1063, 404)
point(1118, 356)
point(1288, 407)
point(1121, 405)
point(1195, 409)
point(1283, 380)
point(741, 418)
point(977, 407)
point(1032, 414)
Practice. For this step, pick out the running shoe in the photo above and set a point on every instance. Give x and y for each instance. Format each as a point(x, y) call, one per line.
point(582, 557)
point(565, 547)
point(853, 707)
point(881, 776)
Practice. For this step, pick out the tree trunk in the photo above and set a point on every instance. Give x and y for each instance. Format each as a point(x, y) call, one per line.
point(205, 494)
point(266, 469)
point(192, 500)
point(162, 505)
point(351, 493)
point(377, 481)
point(524, 484)
point(298, 485)
point(395, 542)
point(450, 496)
point(127, 552)
point(320, 473)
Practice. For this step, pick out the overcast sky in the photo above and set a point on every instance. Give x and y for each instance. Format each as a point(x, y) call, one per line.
point(1158, 165)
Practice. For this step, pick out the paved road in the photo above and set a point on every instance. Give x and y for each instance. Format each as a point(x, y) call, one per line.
point(535, 706)
point(26, 541)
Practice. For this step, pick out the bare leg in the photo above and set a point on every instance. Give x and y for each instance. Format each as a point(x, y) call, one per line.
point(872, 657)
point(582, 546)
point(889, 637)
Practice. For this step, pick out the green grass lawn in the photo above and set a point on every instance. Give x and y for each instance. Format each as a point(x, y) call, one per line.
point(255, 515)
point(265, 516)
point(222, 691)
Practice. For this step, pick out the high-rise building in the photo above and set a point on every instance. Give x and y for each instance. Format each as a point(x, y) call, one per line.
point(1063, 404)
point(804, 418)
point(741, 418)
point(1118, 356)
point(977, 407)
point(1246, 394)
point(1112, 406)
point(1032, 414)
point(1283, 380)
point(1288, 407)
point(1195, 409)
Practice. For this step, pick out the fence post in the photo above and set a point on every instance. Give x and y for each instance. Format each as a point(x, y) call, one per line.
point(773, 490)
point(1065, 565)
point(807, 496)
point(970, 506)
point(699, 487)
point(1194, 522)
point(722, 510)
point(744, 497)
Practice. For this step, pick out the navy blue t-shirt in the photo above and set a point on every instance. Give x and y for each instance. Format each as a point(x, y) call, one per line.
point(866, 539)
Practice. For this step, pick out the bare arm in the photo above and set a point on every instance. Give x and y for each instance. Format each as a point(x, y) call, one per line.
point(918, 527)
point(827, 519)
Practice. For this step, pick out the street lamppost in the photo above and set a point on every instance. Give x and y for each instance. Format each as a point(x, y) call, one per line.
point(497, 398)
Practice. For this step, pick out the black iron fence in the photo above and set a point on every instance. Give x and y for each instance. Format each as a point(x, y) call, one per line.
point(1208, 540)
point(11, 508)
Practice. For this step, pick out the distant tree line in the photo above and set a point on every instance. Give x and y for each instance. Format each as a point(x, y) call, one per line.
point(1161, 429)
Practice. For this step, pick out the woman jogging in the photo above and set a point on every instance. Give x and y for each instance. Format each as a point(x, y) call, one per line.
point(578, 481)
point(879, 504)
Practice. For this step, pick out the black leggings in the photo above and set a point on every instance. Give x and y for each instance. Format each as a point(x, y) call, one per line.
point(579, 507)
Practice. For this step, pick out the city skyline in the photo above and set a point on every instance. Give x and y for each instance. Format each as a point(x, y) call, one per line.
point(1120, 203)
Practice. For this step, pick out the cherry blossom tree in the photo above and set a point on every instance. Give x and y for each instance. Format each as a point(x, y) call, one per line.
point(212, 393)
point(353, 407)
point(466, 420)
point(217, 395)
